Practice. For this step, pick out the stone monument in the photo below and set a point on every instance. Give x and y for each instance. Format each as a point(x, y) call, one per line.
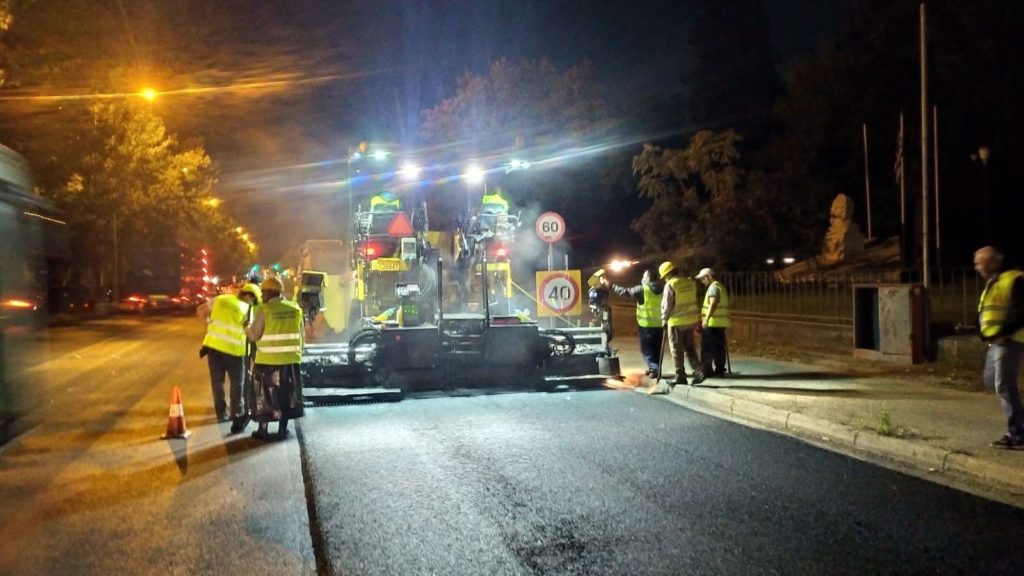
point(844, 240)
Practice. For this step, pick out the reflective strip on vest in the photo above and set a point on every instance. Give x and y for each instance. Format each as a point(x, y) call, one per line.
point(684, 313)
point(224, 330)
point(648, 314)
point(283, 329)
point(721, 317)
point(995, 303)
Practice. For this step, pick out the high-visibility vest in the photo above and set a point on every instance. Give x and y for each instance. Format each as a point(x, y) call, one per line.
point(721, 317)
point(379, 204)
point(494, 203)
point(281, 343)
point(648, 314)
point(225, 329)
point(995, 303)
point(684, 313)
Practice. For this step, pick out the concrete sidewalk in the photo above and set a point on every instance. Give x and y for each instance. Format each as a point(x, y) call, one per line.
point(877, 411)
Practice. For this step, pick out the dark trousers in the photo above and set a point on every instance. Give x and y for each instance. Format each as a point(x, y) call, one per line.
point(650, 346)
point(1002, 367)
point(222, 364)
point(712, 351)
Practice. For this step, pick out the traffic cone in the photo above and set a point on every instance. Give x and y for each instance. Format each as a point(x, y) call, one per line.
point(176, 417)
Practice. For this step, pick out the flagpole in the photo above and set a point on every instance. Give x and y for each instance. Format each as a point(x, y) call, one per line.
point(902, 178)
point(935, 160)
point(867, 180)
point(924, 148)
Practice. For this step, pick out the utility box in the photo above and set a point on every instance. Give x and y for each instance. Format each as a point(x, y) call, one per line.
point(890, 322)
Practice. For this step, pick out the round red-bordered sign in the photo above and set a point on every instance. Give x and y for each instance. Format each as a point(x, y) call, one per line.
point(560, 292)
point(550, 227)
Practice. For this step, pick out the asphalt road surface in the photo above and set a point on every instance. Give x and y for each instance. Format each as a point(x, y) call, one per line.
point(610, 482)
point(580, 482)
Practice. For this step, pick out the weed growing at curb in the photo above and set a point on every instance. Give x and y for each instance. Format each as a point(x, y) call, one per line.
point(884, 422)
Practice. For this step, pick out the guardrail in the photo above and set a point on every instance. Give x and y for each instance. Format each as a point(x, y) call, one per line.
point(828, 296)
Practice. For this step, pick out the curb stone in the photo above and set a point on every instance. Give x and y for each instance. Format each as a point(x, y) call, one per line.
point(930, 457)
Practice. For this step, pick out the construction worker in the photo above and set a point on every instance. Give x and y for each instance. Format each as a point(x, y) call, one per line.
point(494, 202)
point(714, 316)
point(647, 296)
point(277, 384)
point(680, 316)
point(224, 347)
point(1001, 325)
point(385, 201)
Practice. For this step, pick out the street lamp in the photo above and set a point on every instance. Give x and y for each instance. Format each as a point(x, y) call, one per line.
point(148, 94)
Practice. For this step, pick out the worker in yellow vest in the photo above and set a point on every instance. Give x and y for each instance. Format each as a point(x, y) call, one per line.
point(1001, 324)
point(277, 329)
point(680, 316)
point(647, 295)
point(714, 315)
point(224, 348)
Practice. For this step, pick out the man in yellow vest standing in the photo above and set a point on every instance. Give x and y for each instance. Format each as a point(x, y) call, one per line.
point(224, 347)
point(1001, 324)
point(680, 317)
point(715, 319)
point(647, 296)
point(277, 384)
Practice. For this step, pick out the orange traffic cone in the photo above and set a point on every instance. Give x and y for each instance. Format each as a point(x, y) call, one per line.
point(176, 417)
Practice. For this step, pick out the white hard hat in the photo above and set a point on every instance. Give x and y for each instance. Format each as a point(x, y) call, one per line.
point(704, 272)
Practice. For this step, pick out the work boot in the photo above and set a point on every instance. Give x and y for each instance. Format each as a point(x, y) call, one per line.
point(698, 377)
point(239, 423)
point(1008, 442)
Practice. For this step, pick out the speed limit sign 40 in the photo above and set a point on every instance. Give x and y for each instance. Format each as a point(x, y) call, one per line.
point(558, 293)
point(550, 227)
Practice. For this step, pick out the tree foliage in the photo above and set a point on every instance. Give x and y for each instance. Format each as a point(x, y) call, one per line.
point(127, 176)
point(705, 207)
point(532, 101)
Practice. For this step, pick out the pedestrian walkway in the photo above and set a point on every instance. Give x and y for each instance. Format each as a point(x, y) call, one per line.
point(879, 411)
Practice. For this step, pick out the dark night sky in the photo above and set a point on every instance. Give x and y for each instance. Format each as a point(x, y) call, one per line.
point(409, 56)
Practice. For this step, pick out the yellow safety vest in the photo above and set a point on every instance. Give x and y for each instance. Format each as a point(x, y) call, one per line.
point(684, 313)
point(721, 317)
point(225, 329)
point(648, 314)
point(995, 303)
point(495, 203)
point(281, 343)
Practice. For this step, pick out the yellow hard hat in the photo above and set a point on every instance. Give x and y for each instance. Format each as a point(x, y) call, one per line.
point(665, 268)
point(272, 284)
point(595, 279)
point(251, 289)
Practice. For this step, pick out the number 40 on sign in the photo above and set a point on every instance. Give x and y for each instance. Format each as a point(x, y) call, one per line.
point(558, 293)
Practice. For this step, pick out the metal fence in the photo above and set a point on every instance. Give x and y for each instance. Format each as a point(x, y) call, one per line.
point(828, 297)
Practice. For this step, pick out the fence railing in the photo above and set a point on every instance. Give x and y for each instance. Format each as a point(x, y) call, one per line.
point(828, 297)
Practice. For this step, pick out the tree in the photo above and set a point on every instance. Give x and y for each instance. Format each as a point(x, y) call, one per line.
point(704, 208)
point(536, 111)
point(128, 177)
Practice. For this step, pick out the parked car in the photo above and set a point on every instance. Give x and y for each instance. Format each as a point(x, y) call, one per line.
point(134, 303)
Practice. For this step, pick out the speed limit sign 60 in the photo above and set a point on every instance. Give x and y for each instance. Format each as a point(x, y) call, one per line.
point(550, 227)
point(558, 293)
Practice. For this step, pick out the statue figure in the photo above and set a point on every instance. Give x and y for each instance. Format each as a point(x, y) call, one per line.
point(844, 240)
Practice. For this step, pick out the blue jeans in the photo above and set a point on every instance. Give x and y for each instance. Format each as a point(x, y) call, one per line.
point(1002, 367)
point(650, 346)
